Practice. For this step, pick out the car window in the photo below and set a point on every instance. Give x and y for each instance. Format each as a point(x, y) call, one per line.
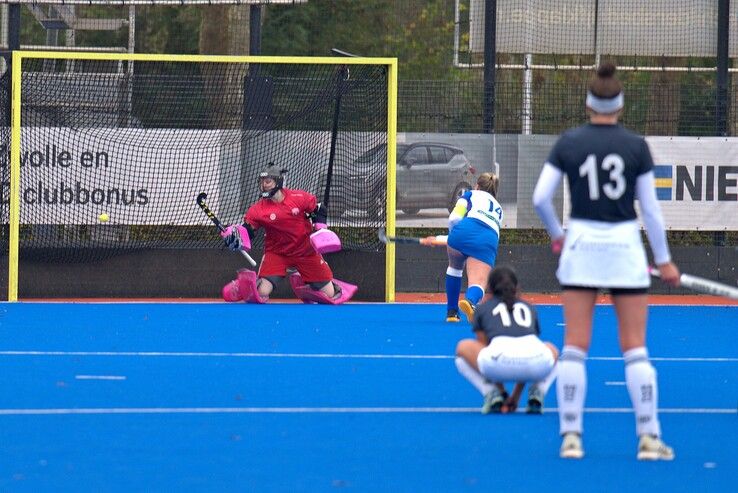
point(417, 155)
point(369, 155)
point(438, 155)
point(450, 153)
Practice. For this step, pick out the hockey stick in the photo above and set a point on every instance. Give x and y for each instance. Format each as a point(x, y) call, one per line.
point(439, 240)
point(702, 285)
point(201, 202)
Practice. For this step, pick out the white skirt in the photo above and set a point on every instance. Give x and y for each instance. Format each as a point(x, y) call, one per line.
point(603, 255)
point(515, 359)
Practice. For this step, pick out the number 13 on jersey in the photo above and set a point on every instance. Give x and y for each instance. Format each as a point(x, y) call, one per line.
point(614, 188)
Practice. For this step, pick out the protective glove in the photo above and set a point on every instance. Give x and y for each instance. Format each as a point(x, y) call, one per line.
point(236, 237)
point(324, 240)
point(557, 245)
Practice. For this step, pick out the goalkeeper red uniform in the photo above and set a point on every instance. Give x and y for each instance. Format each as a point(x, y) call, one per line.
point(296, 234)
point(287, 231)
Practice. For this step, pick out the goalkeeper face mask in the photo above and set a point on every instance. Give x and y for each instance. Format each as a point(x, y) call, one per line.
point(275, 174)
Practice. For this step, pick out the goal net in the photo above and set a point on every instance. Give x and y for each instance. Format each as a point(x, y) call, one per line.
point(137, 137)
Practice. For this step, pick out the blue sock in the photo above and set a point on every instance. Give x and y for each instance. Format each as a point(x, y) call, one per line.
point(453, 288)
point(474, 293)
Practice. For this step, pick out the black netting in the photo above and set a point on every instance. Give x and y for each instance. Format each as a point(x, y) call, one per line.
point(139, 143)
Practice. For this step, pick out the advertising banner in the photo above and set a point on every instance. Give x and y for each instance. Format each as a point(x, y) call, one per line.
point(697, 181)
point(70, 177)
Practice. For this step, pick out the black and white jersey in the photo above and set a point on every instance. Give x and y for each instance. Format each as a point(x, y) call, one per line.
point(602, 164)
point(494, 318)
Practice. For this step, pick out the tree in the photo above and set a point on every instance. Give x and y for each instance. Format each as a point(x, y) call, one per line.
point(224, 30)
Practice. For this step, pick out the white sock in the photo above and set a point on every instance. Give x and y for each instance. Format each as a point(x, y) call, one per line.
point(545, 384)
point(571, 387)
point(473, 376)
point(640, 378)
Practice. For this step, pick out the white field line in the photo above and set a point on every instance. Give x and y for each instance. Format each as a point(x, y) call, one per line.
point(161, 354)
point(99, 377)
point(324, 410)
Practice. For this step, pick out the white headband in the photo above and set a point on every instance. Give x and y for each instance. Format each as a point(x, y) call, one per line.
point(605, 105)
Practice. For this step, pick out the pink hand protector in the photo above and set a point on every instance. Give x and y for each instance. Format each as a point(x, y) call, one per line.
point(324, 240)
point(241, 236)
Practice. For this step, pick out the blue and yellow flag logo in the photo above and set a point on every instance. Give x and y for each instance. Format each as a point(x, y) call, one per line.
point(664, 182)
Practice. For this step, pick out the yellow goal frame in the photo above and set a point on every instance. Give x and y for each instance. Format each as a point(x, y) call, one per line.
point(15, 132)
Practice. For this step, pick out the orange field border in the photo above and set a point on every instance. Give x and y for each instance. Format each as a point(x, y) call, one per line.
point(537, 298)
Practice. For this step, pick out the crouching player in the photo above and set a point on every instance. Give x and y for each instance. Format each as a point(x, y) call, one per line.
point(507, 349)
point(296, 235)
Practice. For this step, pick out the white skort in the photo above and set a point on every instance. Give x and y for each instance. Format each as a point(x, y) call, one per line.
point(518, 359)
point(603, 255)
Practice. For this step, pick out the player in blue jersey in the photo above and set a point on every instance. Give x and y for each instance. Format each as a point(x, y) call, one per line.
point(507, 348)
point(473, 237)
point(607, 168)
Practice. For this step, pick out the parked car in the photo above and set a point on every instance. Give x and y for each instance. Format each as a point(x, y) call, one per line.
point(430, 175)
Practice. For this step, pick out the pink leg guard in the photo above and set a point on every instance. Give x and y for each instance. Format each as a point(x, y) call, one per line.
point(310, 295)
point(231, 291)
point(247, 287)
point(298, 287)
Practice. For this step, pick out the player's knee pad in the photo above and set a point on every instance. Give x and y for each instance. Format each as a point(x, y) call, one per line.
point(247, 287)
point(309, 295)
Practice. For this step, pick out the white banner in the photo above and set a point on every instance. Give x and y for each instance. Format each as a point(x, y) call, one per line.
point(71, 176)
point(674, 28)
point(697, 181)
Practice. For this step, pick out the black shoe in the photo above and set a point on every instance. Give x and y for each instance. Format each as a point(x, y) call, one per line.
point(453, 316)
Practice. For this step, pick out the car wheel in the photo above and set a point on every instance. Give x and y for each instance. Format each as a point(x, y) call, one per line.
point(410, 211)
point(458, 192)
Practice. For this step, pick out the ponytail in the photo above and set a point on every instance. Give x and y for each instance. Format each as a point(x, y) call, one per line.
point(503, 284)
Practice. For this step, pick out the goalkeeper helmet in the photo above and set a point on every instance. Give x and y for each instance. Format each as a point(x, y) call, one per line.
point(275, 173)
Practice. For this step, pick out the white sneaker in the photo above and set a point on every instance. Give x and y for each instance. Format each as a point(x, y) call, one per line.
point(571, 446)
point(652, 448)
point(493, 401)
point(535, 400)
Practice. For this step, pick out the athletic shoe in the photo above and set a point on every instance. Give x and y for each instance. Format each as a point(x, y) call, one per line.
point(453, 316)
point(468, 309)
point(493, 401)
point(571, 446)
point(535, 400)
point(652, 448)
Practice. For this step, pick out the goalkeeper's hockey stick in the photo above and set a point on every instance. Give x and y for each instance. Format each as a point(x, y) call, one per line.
point(702, 285)
point(201, 202)
point(426, 241)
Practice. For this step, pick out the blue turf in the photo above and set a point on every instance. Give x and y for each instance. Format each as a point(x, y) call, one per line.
point(308, 451)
